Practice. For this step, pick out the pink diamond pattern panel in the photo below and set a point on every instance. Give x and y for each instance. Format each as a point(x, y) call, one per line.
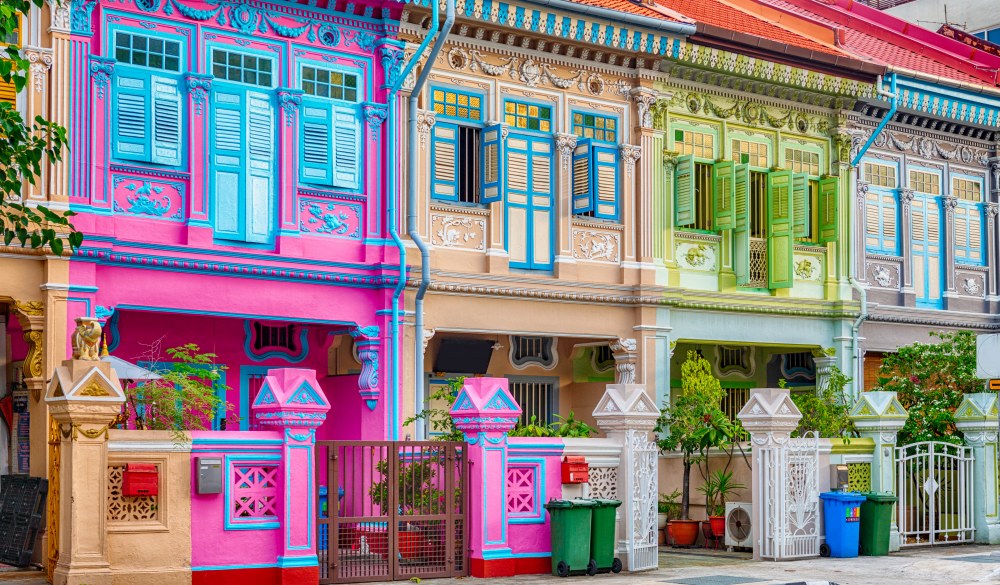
point(255, 491)
point(521, 490)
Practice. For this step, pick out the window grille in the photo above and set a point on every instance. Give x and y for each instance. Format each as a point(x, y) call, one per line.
point(798, 366)
point(735, 360)
point(703, 196)
point(924, 182)
point(967, 189)
point(754, 153)
point(527, 350)
point(330, 84)
point(241, 68)
point(528, 116)
point(144, 51)
point(604, 128)
point(699, 144)
point(457, 104)
point(604, 358)
point(254, 384)
point(536, 399)
point(802, 161)
point(274, 336)
point(733, 402)
point(878, 175)
point(758, 205)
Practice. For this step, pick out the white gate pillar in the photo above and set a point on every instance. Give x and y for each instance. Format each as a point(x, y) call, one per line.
point(628, 415)
point(769, 416)
point(977, 418)
point(879, 416)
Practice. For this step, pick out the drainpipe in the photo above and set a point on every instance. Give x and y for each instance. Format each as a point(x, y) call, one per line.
point(893, 97)
point(391, 198)
point(411, 215)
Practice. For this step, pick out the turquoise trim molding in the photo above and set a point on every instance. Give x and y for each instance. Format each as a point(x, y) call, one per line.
point(245, 373)
point(235, 567)
point(252, 523)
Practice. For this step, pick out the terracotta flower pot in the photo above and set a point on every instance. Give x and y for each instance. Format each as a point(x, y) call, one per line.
point(683, 532)
point(718, 524)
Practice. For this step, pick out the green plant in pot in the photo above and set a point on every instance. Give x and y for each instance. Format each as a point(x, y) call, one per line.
point(668, 508)
point(693, 425)
point(717, 488)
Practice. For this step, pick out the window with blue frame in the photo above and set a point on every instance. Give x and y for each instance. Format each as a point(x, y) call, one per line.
point(457, 145)
point(881, 209)
point(595, 166)
point(330, 128)
point(968, 220)
point(991, 34)
point(528, 185)
point(244, 159)
point(147, 110)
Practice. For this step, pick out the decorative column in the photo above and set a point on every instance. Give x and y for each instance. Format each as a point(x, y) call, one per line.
point(948, 250)
point(565, 264)
point(667, 219)
point(993, 293)
point(631, 209)
point(497, 257)
point(291, 401)
point(288, 131)
point(879, 416)
point(57, 93)
point(367, 341)
point(977, 418)
point(905, 237)
point(824, 366)
point(626, 356)
point(199, 88)
point(769, 416)
point(84, 397)
point(628, 415)
point(426, 119)
point(73, 66)
point(859, 233)
point(485, 411)
point(647, 181)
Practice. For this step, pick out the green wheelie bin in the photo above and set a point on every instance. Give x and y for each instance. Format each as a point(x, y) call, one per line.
point(571, 524)
point(602, 537)
point(876, 518)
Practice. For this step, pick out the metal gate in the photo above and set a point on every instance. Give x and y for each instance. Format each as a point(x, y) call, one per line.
point(935, 494)
point(788, 520)
point(391, 510)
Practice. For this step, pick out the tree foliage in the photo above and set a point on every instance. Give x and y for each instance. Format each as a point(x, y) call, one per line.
point(24, 147)
point(930, 379)
point(826, 411)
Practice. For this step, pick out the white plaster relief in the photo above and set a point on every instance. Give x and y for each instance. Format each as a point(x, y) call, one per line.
point(807, 267)
point(449, 231)
point(697, 256)
point(596, 246)
point(885, 276)
point(970, 284)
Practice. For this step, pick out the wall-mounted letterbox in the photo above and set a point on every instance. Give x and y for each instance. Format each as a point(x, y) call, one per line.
point(209, 475)
point(838, 477)
point(575, 470)
point(140, 479)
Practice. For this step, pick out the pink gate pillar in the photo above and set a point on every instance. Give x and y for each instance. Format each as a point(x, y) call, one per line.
point(290, 400)
point(485, 411)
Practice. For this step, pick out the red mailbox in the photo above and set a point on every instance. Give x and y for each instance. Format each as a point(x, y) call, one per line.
point(575, 470)
point(140, 479)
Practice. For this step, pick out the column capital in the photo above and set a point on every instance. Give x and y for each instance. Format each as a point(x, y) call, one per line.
point(626, 407)
point(770, 416)
point(644, 99)
point(879, 413)
point(625, 353)
point(950, 203)
point(565, 143)
point(425, 121)
point(485, 406)
point(976, 417)
point(630, 153)
point(290, 398)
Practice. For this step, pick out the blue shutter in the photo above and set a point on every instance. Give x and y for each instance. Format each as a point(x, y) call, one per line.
point(132, 114)
point(444, 162)
point(316, 142)
point(346, 148)
point(604, 162)
point(260, 166)
point(166, 121)
point(583, 191)
point(228, 163)
point(492, 157)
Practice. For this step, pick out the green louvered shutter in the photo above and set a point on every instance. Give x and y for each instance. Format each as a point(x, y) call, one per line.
point(316, 142)
point(800, 204)
point(741, 231)
point(444, 156)
point(684, 199)
point(132, 115)
point(346, 148)
point(228, 163)
point(260, 167)
point(604, 162)
point(583, 191)
point(724, 195)
point(167, 110)
point(829, 216)
point(492, 157)
point(779, 229)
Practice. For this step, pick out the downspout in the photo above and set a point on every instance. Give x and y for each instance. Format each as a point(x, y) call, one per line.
point(392, 165)
point(893, 97)
point(411, 216)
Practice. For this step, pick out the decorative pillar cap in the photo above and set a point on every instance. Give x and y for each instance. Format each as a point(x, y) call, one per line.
point(977, 412)
point(878, 411)
point(769, 411)
point(485, 405)
point(290, 397)
point(626, 407)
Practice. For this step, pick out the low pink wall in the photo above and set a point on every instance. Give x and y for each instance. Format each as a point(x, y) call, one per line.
point(530, 536)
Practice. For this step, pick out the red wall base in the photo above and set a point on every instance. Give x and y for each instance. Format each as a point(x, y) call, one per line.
point(510, 567)
point(262, 576)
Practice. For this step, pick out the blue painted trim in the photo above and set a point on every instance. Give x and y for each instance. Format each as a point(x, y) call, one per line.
point(529, 206)
point(87, 312)
point(307, 561)
point(245, 373)
point(311, 478)
point(254, 523)
point(235, 567)
point(276, 354)
point(489, 555)
point(219, 385)
point(223, 314)
point(538, 514)
point(221, 442)
point(78, 288)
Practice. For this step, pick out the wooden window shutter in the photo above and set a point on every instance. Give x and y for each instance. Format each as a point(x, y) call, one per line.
point(444, 157)
point(132, 115)
point(724, 195)
point(167, 108)
point(316, 142)
point(493, 158)
point(260, 166)
point(228, 163)
point(346, 148)
point(829, 209)
point(800, 204)
point(741, 232)
point(583, 193)
point(780, 229)
point(684, 198)
point(604, 162)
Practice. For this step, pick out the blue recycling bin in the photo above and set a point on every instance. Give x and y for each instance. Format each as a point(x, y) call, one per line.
point(323, 511)
point(842, 517)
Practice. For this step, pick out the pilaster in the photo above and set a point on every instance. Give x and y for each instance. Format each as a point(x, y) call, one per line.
point(199, 105)
point(289, 101)
point(993, 228)
point(626, 357)
point(977, 418)
point(648, 200)
point(497, 258)
point(859, 233)
point(879, 416)
point(905, 237)
point(565, 264)
point(950, 203)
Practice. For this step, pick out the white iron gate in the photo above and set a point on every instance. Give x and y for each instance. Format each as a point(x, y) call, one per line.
point(935, 494)
point(789, 499)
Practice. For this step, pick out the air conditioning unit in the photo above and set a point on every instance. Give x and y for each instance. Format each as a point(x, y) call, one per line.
point(738, 524)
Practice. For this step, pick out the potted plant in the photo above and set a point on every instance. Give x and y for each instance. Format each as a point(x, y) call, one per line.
point(717, 489)
point(693, 424)
point(667, 508)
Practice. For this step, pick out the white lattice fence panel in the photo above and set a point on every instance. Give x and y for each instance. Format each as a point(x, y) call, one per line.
point(127, 509)
point(641, 506)
point(604, 482)
point(789, 500)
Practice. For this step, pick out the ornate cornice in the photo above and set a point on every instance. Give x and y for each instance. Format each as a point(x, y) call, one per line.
point(748, 111)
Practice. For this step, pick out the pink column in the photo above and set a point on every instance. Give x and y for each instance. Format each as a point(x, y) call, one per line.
point(290, 400)
point(289, 100)
point(199, 105)
point(102, 74)
point(485, 411)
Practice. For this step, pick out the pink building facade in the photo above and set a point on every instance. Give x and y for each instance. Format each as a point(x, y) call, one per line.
point(228, 169)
